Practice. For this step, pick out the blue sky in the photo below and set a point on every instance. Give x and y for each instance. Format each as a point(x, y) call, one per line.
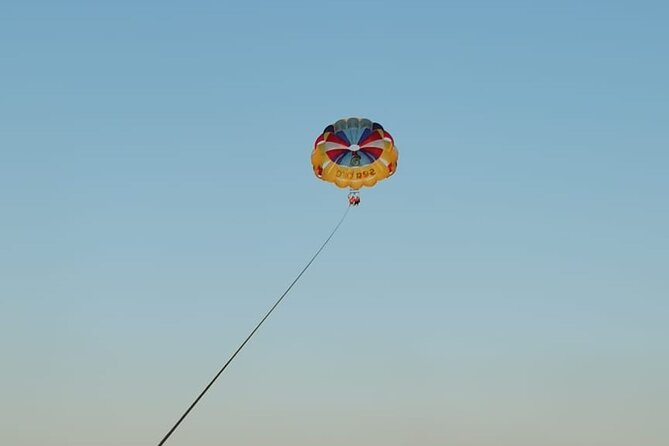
point(507, 287)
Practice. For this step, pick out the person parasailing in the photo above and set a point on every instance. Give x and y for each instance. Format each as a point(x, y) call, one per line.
point(352, 152)
point(353, 198)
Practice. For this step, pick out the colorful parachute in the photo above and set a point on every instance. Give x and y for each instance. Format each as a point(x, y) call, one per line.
point(354, 152)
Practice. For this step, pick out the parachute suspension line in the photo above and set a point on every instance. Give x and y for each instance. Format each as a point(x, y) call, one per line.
point(248, 338)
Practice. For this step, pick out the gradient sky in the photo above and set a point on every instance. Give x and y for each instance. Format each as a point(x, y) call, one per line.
point(508, 287)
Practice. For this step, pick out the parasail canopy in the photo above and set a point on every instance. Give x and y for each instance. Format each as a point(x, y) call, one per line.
point(354, 152)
